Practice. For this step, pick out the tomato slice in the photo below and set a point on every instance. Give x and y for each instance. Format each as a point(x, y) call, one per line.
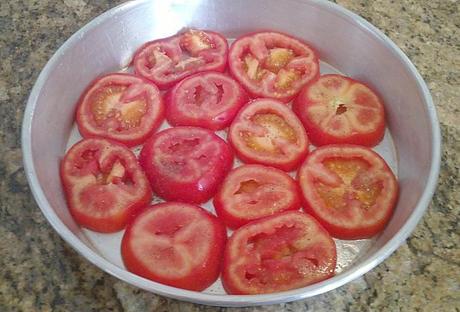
point(186, 163)
point(175, 244)
point(169, 60)
point(120, 107)
point(251, 192)
point(277, 253)
point(210, 100)
point(337, 110)
point(104, 184)
point(349, 189)
point(272, 65)
point(266, 131)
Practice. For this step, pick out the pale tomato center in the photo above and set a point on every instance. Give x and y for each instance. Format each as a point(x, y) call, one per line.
point(252, 67)
point(286, 78)
point(109, 109)
point(356, 184)
point(276, 128)
point(342, 107)
point(275, 63)
point(278, 58)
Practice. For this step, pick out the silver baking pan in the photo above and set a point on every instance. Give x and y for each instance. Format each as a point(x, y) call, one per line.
point(346, 43)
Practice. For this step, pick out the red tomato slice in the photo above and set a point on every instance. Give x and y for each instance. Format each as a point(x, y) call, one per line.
point(277, 253)
point(210, 100)
point(272, 65)
point(266, 131)
point(251, 192)
point(104, 184)
point(169, 60)
point(349, 189)
point(175, 244)
point(338, 109)
point(121, 107)
point(186, 163)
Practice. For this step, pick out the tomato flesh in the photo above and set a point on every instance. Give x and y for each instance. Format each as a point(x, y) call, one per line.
point(107, 105)
point(120, 107)
point(169, 60)
point(104, 184)
point(338, 109)
point(349, 189)
point(275, 128)
point(272, 65)
point(186, 163)
point(251, 192)
point(266, 131)
point(210, 100)
point(175, 244)
point(277, 253)
point(347, 170)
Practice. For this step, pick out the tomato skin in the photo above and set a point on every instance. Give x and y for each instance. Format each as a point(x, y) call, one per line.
point(99, 196)
point(177, 179)
point(236, 70)
point(275, 187)
point(320, 136)
point(202, 274)
point(150, 122)
point(375, 217)
point(285, 251)
point(179, 112)
point(217, 55)
point(296, 151)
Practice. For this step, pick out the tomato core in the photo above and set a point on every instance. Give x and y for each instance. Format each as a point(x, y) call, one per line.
point(275, 63)
point(341, 108)
point(248, 186)
point(275, 127)
point(355, 187)
point(109, 109)
point(200, 95)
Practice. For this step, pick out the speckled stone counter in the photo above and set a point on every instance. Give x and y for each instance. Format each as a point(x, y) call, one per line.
point(39, 272)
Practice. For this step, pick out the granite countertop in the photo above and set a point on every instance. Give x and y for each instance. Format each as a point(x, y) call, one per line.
point(40, 272)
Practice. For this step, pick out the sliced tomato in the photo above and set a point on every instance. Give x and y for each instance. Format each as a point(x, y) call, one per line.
point(104, 184)
point(175, 244)
point(169, 60)
point(120, 107)
point(210, 100)
point(349, 189)
point(277, 253)
point(337, 110)
point(272, 65)
point(266, 131)
point(186, 163)
point(251, 192)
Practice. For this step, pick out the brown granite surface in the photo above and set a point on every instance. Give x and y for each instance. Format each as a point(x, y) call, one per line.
point(39, 272)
